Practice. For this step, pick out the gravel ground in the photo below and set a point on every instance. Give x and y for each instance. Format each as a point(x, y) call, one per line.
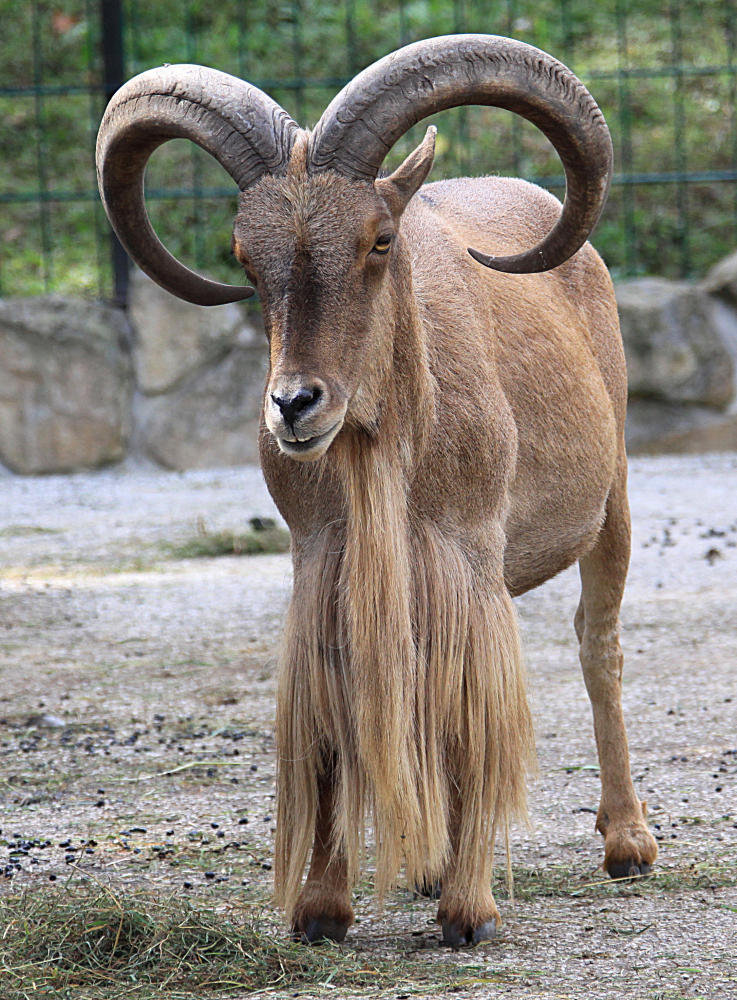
point(136, 715)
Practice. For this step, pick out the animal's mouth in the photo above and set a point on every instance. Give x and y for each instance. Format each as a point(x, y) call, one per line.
point(312, 447)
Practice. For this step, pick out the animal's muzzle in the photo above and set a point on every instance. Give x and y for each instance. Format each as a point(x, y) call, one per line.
point(304, 413)
point(297, 404)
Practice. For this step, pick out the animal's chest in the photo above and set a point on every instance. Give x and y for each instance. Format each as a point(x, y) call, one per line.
point(308, 495)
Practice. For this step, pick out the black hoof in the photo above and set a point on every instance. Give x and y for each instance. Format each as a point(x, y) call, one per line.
point(628, 869)
point(319, 930)
point(457, 937)
point(430, 890)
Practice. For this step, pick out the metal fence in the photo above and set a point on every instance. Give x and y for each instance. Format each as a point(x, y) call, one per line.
point(665, 75)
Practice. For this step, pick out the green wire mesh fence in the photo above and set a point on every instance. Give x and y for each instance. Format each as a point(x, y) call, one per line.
point(665, 75)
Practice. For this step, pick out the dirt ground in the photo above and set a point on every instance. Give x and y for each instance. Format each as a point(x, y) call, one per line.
point(136, 717)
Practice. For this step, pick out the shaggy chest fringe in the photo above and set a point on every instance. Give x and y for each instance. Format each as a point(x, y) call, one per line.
point(400, 682)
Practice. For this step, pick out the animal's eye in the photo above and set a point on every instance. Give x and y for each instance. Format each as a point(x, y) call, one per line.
point(382, 245)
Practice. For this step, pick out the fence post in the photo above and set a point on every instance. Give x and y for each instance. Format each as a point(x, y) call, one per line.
point(113, 63)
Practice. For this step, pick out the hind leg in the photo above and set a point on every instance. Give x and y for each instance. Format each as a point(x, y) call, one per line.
point(629, 847)
point(323, 910)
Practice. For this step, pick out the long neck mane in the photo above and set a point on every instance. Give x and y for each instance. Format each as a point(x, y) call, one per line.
point(377, 600)
point(387, 684)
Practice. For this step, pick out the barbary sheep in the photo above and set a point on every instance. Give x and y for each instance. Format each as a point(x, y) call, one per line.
point(442, 430)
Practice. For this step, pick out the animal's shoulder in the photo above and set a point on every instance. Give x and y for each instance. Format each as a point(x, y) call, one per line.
point(496, 215)
point(489, 198)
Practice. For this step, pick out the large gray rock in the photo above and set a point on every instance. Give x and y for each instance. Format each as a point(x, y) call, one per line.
point(675, 345)
point(655, 428)
point(174, 339)
point(65, 384)
point(211, 418)
point(722, 280)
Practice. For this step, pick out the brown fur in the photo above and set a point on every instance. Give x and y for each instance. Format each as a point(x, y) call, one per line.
point(413, 685)
point(472, 446)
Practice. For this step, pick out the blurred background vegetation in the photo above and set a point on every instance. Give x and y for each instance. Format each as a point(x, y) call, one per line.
point(665, 75)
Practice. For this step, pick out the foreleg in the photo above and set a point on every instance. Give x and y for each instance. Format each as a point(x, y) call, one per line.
point(323, 909)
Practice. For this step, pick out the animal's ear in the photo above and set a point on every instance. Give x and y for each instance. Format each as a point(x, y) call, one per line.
point(398, 188)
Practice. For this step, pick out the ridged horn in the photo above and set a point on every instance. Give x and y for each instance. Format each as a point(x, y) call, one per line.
point(246, 132)
point(366, 118)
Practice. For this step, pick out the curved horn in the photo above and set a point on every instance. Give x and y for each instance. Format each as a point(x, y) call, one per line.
point(367, 117)
point(246, 132)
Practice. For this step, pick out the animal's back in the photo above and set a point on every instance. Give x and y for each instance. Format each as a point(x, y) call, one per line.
point(553, 342)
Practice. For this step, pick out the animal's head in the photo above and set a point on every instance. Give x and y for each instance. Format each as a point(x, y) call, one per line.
point(318, 248)
point(317, 230)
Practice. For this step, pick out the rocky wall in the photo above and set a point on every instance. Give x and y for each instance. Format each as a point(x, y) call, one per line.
point(83, 384)
point(680, 340)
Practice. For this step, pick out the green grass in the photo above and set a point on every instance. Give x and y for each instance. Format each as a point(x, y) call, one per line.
point(26, 531)
point(561, 881)
point(90, 941)
point(264, 537)
point(301, 53)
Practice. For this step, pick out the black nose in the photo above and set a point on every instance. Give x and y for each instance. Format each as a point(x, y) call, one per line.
point(291, 407)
